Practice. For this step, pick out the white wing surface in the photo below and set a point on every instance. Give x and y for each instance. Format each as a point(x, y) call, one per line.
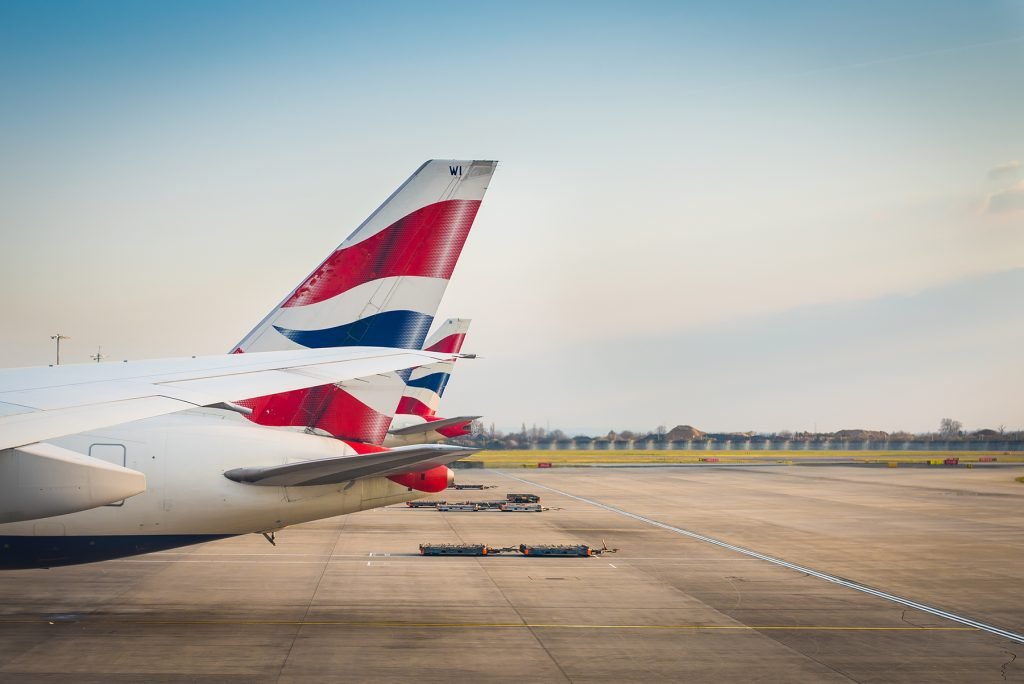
point(44, 403)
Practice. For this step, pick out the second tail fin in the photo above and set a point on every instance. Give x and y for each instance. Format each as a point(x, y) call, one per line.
point(426, 384)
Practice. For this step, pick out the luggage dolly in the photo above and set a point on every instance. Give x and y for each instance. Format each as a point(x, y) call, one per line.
point(536, 550)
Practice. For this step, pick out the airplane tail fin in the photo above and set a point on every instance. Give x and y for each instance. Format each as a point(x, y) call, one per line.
point(426, 384)
point(380, 287)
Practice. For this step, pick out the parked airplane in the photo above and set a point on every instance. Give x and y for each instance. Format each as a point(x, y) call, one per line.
point(417, 421)
point(212, 472)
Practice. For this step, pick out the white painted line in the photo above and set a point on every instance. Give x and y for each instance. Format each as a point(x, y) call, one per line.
point(613, 566)
point(1012, 636)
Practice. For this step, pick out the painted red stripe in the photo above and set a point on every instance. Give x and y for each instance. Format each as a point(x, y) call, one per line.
point(457, 430)
point(414, 407)
point(364, 448)
point(449, 345)
point(327, 408)
point(425, 243)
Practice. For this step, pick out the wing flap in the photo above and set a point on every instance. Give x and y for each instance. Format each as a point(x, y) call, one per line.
point(345, 468)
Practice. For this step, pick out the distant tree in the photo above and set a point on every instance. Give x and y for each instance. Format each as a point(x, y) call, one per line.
point(556, 434)
point(627, 434)
point(950, 428)
point(661, 430)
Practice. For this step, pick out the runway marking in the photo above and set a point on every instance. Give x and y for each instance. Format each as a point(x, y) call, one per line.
point(1012, 636)
point(501, 625)
point(613, 566)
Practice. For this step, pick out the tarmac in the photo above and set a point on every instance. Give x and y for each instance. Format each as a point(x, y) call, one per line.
point(350, 599)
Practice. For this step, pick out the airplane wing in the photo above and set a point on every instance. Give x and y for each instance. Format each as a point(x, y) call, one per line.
point(423, 428)
point(44, 403)
point(344, 468)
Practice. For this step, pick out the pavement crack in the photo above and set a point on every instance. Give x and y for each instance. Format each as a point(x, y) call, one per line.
point(312, 597)
point(739, 594)
point(1002, 670)
point(903, 618)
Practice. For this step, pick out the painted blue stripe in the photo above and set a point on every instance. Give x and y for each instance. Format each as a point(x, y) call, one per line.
point(435, 382)
point(50, 552)
point(404, 329)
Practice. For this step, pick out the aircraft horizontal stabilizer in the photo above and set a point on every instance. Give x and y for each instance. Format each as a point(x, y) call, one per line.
point(423, 428)
point(345, 468)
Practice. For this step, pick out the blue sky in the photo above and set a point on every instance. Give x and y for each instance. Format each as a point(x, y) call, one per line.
point(674, 176)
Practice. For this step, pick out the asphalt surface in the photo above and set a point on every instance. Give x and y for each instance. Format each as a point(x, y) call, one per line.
point(349, 599)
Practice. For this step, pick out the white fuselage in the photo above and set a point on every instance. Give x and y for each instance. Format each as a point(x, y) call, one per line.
point(184, 457)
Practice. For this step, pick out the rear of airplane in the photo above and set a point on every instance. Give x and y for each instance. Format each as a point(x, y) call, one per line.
point(380, 287)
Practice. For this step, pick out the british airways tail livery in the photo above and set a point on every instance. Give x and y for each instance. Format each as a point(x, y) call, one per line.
point(417, 421)
point(380, 287)
point(426, 384)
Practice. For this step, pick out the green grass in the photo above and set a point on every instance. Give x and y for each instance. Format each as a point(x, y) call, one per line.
point(530, 459)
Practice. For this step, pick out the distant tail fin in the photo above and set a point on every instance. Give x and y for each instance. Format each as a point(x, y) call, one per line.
point(426, 384)
point(380, 287)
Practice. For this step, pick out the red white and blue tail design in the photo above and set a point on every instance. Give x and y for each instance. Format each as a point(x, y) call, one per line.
point(359, 410)
point(383, 284)
point(426, 384)
point(380, 287)
point(417, 421)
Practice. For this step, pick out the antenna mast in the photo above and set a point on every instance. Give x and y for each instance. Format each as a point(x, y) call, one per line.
point(58, 337)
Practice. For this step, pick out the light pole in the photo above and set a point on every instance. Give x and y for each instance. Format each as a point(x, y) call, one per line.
point(58, 337)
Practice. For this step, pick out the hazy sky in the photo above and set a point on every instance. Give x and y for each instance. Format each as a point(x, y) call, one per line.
point(734, 215)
